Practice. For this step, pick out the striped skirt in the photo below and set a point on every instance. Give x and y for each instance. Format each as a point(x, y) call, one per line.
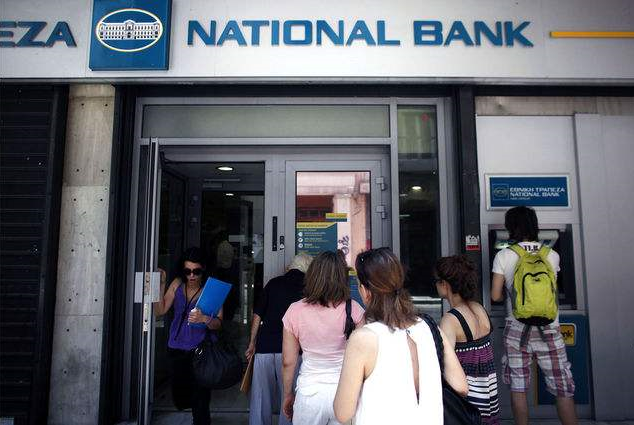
point(476, 358)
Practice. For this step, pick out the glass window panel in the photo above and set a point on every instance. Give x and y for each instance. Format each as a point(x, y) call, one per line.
point(418, 196)
point(266, 121)
point(417, 132)
point(333, 212)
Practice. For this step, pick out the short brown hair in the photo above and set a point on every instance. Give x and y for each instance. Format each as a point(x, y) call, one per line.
point(327, 280)
point(381, 272)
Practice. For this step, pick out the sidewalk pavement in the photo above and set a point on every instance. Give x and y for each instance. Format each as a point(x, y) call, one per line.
point(184, 418)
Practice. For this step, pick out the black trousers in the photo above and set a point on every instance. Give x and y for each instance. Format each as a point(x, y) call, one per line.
point(185, 392)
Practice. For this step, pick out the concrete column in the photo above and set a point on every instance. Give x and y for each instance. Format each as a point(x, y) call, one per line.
point(77, 338)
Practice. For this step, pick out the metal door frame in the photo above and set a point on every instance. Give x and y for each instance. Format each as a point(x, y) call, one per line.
point(225, 149)
point(144, 280)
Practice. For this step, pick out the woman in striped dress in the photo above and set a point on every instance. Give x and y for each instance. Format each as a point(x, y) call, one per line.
point(468, 329)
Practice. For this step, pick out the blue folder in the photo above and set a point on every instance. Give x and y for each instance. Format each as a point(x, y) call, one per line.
point(212, 298)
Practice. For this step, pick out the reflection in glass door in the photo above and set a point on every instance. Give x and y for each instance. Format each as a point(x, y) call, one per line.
point(332, 212)
point(336, 205)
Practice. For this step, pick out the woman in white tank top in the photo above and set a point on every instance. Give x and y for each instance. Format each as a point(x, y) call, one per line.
point(390, 370)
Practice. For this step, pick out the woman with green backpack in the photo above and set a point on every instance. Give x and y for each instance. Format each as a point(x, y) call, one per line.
point(527, 273)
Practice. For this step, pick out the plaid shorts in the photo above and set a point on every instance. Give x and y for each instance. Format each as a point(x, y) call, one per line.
point(550, 351)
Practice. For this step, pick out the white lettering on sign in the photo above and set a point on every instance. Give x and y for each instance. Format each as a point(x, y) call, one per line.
point(528, 192)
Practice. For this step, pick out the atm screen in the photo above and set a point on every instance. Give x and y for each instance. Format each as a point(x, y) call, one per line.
point(561, 242)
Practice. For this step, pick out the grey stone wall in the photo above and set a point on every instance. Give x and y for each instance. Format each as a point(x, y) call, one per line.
point(77, 339)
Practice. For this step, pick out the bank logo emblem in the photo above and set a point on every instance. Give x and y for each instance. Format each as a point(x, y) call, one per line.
point(500, 191)
point(130, 35)
point(129, 30)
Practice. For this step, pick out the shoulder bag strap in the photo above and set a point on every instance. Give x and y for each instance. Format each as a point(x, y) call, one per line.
point(463, 323)
point(437, 340)
point(349, 326)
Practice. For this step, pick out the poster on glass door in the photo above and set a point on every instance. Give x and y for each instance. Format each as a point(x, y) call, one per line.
point(315, 237)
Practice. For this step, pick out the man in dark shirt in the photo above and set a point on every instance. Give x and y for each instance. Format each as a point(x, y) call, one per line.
point(266, 340)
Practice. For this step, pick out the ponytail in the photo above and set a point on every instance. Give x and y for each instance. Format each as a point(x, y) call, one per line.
point(381, 273)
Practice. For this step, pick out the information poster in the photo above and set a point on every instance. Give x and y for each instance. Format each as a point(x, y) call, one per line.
point(315, 237)
point(531, 191)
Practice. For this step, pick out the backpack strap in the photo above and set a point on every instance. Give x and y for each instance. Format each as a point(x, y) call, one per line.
point(517, 248)
point(544, 251)
point(463, 323)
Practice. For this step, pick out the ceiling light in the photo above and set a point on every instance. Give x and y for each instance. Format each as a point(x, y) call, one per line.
point(224, 168)
point(417, 188)
point(228, 194)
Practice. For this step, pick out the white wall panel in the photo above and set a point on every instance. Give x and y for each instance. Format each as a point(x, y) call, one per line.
point(605, 155)
point(549, 58)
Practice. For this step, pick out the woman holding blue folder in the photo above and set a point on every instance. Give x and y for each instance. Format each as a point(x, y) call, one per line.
point(182, 294)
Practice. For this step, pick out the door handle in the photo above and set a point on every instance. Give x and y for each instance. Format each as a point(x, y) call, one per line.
point(381, 210)
point(274, 246)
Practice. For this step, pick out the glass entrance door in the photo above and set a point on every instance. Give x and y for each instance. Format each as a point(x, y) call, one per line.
point(337, 205)
point(251, 213)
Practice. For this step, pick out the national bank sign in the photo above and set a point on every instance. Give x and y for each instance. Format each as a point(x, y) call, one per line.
point(130, 35)
point(134, 34)
point(340, 33)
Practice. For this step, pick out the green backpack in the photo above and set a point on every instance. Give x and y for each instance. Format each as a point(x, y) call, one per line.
point(534, 296)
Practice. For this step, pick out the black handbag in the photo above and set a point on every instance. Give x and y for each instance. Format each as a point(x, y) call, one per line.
point(217, 365)
point(456, 409)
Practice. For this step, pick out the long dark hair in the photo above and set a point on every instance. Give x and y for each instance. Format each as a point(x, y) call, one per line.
point(194, 255)
point(326, 280)
point(460, 273)
point(381, 273)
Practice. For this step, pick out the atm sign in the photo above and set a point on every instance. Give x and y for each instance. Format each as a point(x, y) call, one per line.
point(549, 191)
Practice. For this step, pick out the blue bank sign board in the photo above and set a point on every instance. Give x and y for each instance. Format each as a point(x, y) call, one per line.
point(528, 190)
point(131, 35)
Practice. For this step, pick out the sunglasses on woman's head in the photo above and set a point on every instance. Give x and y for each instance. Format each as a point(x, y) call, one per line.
point(365, 254)
point(195, 272)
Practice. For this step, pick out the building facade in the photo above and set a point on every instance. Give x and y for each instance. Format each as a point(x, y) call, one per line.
point(131, 132)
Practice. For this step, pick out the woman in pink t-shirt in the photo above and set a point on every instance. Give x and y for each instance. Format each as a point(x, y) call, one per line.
point(316, 325)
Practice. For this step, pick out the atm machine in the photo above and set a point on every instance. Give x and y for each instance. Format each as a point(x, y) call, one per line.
point(531, 161)
point(573, 320)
